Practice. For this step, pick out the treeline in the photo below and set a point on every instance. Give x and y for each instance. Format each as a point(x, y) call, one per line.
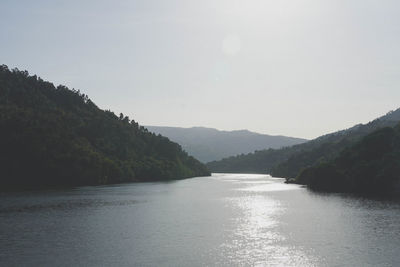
point(54, 136)
point(260, 161)
point(288, 162)
point(371, 166)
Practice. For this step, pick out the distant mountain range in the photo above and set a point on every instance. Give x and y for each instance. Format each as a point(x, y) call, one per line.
point(290, 161)
point(208, 144)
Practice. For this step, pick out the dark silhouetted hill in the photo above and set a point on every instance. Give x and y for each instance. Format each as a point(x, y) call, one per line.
point(54, 136)
point(370, 166)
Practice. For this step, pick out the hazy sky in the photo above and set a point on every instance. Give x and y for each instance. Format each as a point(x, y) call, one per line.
point(299, 68)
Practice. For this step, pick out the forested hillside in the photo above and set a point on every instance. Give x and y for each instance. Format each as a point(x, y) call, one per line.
point(208, 144)
point(54, 136)
point(370, 166)
point(288, 162)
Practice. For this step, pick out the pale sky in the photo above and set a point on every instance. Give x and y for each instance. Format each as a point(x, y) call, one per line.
point(299, 68)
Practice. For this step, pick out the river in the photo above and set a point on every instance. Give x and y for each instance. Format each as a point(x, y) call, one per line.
point(222, 220)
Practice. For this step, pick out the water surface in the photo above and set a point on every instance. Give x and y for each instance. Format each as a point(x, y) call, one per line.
point(223, 220)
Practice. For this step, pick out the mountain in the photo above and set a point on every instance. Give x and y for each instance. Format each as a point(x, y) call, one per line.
point(207, 144)
point(54, 136)
point(370, 166)
point(289, 161)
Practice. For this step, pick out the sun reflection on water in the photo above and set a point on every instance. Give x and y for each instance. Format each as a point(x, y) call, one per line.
point(256, 240)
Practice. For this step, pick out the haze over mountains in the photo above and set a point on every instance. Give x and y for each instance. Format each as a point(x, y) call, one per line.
point(208, 144)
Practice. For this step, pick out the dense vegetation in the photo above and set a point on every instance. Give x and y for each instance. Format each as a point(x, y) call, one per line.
point(54, 136)
point(288, 162)
point(369, 166)
point(207, 144)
